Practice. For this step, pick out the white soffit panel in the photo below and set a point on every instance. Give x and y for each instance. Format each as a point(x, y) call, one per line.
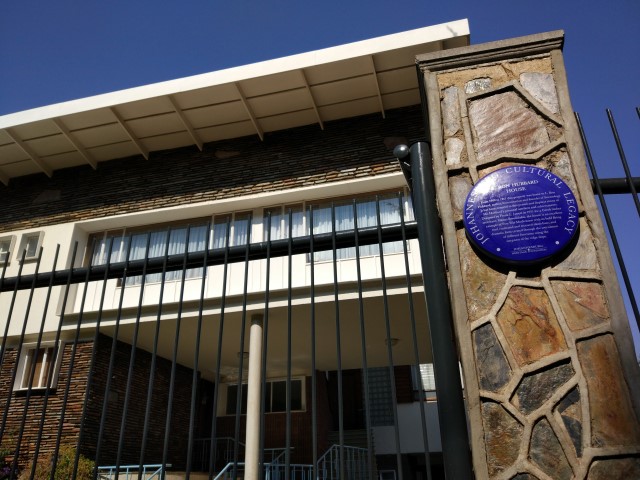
point(208, 116)
point(19, 169)
point(65, 160)
point(280, 103)
point(11, 153)
point(288, 92)
point(101, 135)
point(117, 150)
point(288, 120)
point(145, 108)
point(163, 124)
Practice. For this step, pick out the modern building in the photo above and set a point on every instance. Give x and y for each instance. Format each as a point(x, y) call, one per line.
point(279, 179)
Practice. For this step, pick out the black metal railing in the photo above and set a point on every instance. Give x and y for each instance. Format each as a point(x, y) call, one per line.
point(614, 186)
point(131, 383)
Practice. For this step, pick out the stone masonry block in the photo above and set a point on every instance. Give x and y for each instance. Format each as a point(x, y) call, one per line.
point(505, 124)
point(502, 435)
point(582, 303)
point(613, 421)
point(530, 325)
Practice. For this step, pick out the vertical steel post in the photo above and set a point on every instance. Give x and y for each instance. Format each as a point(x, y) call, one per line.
point(451, 410)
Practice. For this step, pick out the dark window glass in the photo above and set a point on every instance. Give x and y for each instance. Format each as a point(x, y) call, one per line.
point(296, 395)
point(267, 398)
point(279, 396)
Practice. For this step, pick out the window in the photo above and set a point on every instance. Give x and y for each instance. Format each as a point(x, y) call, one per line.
point(30, 244)
point(236, 228)
point(6, 247)
point(35, 366)
point(275, 397)
point(279, 222)
point(428, 377)
point(155, 241)
point(239, 226)
point(380, 399)
point(366, 214)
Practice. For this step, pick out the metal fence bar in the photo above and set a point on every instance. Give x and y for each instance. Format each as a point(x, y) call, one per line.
point(114, 345)
point(22, 334)
point(615, 186)
point(92, 363)
point(4, 344)
point(363, 341)
point(623, 160)
point(607, 218)
point(338, 339)
point(265, 344)
point(174, 358)
point(132, 356)
point(314, 379)
point(196, 353)
point(68, 384)
point(389, 341)
point(213, 451)
point(451, 410)
point(287, 458)
point(236, 446)
point(50, 371)
point(416, 352)
point(32, 371)
point(154, 354)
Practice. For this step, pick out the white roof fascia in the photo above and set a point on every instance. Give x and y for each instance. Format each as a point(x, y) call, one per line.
point(372, 46)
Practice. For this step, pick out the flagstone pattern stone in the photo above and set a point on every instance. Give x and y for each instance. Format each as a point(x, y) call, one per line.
point(503, 436)
point(627, 468)
point(547, 381)
point(530, 325)
point(546, 452)
point(570, 409)
point(537, 388)
point(493, 368)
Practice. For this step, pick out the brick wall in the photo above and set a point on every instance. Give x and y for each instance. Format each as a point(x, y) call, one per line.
point(350, 148)
point(135, 411)
point(32, 419)
point(179, 426)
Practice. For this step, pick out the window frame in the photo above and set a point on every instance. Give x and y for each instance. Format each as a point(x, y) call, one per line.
point(282, 211)
point(100, 240)
point(24, 241)
point(270, 381)
point(227, 224)
point(25, 363)
point(407, 209)
point(10, 251)
point(229, 219)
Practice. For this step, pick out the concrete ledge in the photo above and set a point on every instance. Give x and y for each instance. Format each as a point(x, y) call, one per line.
point(490, 52)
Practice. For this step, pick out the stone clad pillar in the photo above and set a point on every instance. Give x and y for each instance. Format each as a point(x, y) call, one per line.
point(552, 384)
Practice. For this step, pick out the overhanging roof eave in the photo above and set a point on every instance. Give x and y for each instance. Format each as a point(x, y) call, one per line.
point(435, 33)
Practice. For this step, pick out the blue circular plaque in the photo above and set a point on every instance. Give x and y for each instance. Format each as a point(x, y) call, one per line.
point(521, 214)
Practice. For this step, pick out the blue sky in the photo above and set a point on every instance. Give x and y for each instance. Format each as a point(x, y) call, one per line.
point(56, 51)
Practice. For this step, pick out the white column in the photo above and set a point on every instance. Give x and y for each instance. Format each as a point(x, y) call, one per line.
point(254, 384)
